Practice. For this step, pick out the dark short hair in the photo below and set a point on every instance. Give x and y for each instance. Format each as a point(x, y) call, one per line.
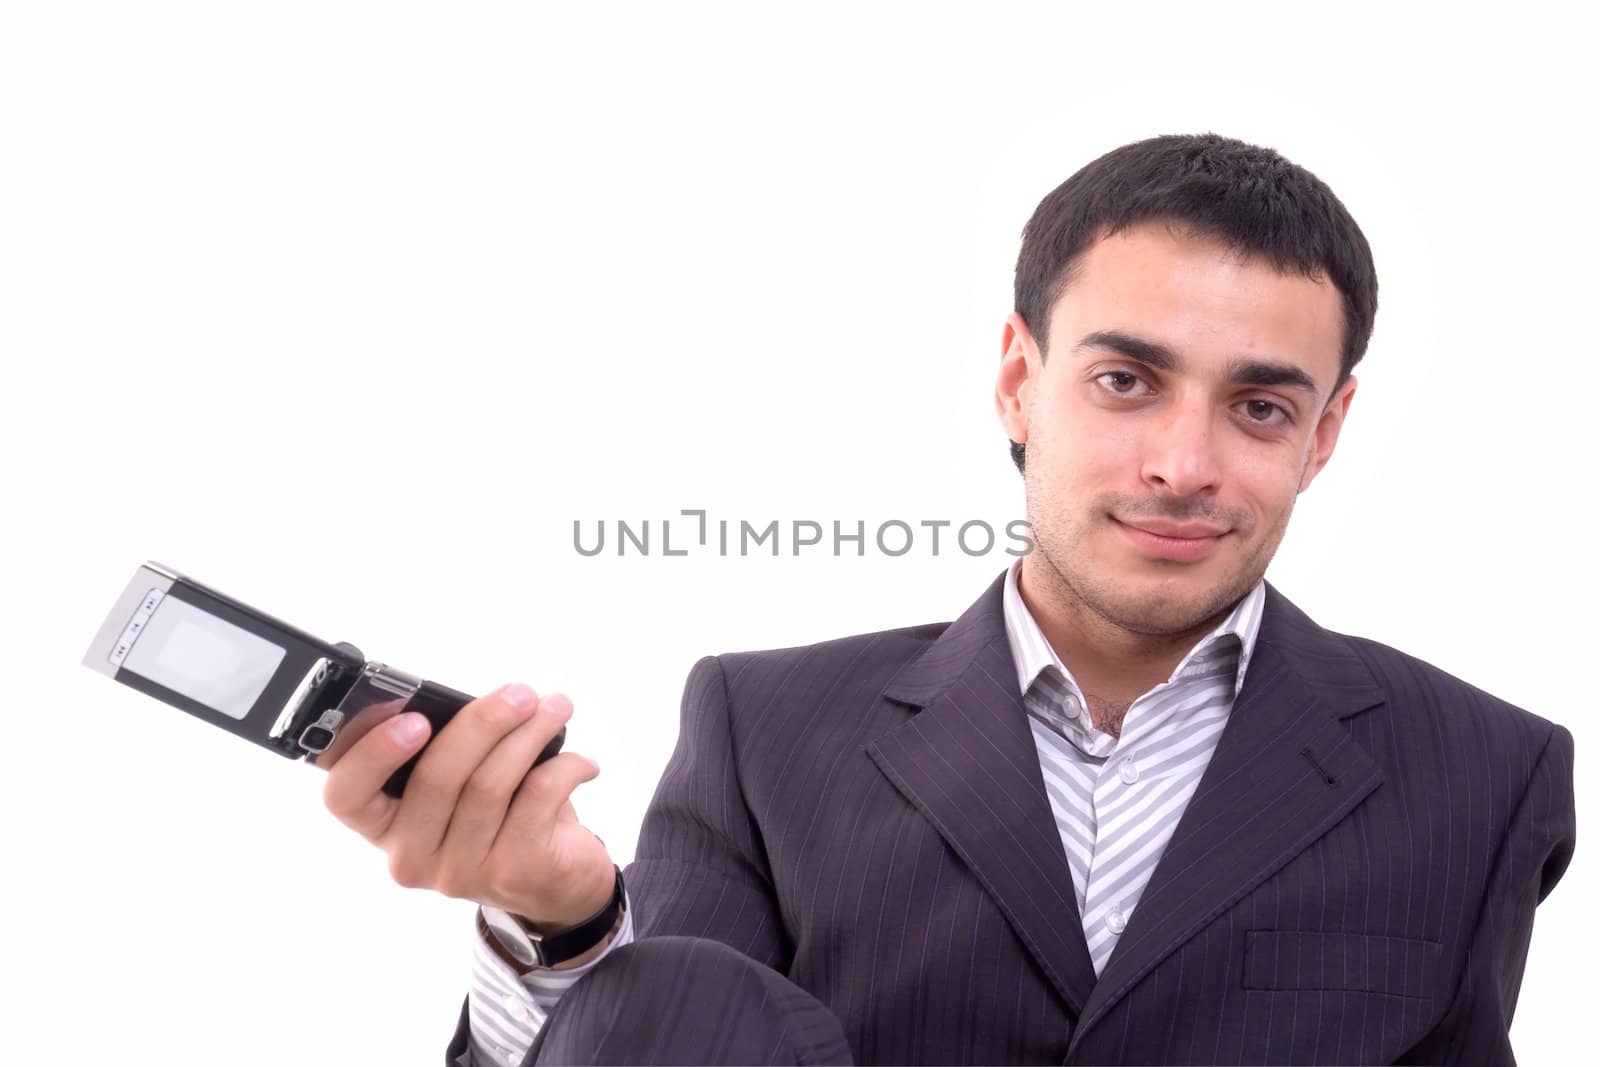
point(1250, 198)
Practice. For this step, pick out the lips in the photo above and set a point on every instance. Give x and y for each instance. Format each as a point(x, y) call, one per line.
point(1198, 542)
point(1162, 528)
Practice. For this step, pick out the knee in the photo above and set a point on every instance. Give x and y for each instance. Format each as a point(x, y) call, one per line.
point(688, 1000)
point(680, 958)
point(678, 976)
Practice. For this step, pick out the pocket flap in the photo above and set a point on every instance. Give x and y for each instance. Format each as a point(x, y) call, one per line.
point(1361, 963)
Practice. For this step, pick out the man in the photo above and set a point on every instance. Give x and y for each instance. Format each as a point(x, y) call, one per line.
point(1133, 806)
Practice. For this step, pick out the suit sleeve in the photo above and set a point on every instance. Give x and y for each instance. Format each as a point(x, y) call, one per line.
point(700, 868)
point(1533, 856)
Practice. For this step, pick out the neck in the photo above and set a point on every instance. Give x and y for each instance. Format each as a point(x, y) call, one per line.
point(1112, 665)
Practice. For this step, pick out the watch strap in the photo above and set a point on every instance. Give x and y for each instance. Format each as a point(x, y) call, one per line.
point(551, 949)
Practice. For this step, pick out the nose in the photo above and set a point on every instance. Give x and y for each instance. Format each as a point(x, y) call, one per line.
point(1180, 451)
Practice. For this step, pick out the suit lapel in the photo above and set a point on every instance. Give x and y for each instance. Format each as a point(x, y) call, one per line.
point(968, 762)
point(1284, 772)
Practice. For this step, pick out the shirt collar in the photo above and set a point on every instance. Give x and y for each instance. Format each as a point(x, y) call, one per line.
point(1032, 654)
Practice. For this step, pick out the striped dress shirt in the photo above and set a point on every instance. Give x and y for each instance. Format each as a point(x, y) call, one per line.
point(1117, 799)
point(1116, 802)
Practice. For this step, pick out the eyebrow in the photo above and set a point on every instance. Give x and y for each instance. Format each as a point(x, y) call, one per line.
point(1262, 372)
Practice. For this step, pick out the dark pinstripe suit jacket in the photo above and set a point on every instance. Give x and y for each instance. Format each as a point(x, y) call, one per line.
point(1354, 880)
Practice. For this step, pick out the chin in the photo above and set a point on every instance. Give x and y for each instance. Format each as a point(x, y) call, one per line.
point(1156, 597)
point(1160, 618)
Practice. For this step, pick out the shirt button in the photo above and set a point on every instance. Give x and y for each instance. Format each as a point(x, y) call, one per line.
point(1128, 771)
point(515, 1006)
point(1116, 921)
point(513, 1059)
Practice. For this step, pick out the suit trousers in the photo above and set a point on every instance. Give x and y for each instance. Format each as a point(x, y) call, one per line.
point(687, 1000)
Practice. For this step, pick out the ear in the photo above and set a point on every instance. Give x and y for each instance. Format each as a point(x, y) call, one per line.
point(1326, 434)
point(1019, 370)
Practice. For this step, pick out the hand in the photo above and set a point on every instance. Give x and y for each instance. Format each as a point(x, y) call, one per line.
point(477, 820)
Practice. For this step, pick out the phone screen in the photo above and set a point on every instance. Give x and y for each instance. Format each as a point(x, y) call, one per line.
point(205, 658)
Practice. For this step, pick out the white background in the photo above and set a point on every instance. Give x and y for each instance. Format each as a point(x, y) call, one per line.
point(351, 309)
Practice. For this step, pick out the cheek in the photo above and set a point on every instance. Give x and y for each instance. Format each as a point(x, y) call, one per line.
point(1079, 457)
point(1084, 438)
point(1266, 489)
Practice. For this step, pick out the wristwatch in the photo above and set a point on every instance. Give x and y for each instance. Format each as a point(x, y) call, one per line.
point(546, 950)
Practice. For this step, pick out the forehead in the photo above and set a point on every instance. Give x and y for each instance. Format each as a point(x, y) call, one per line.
point(1202, 299)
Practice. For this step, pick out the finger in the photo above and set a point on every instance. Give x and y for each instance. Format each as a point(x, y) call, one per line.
point(354, 789)
point(543, 792)
point(487, 794)
point(435, 784)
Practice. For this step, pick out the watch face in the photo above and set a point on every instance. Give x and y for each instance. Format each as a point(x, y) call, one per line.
point(510, 934)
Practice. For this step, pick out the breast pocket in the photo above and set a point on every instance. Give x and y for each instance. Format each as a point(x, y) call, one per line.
point(1359, 963)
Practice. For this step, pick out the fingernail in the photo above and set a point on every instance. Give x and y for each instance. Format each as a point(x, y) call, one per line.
point(557, 704)
point(408, 727)
point(519, 696)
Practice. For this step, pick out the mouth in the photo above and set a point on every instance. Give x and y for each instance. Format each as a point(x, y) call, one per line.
point(1166, 546)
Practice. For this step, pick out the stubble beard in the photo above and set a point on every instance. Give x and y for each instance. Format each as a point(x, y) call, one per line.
point(1086, 586)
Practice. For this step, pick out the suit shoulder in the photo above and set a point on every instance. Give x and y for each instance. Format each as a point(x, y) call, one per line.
point(1453, 702)
point(898, 644)
point(854, 662)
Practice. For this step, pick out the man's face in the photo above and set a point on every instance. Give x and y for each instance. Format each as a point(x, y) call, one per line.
point(1114, 442)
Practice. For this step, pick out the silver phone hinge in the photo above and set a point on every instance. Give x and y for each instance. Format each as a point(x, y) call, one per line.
point(377, 684)
point(386, 679)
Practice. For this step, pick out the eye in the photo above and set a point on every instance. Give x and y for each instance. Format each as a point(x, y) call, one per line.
point(1258, 410)
point(1266, 408)
point(1116, 389)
